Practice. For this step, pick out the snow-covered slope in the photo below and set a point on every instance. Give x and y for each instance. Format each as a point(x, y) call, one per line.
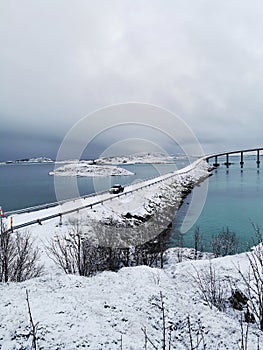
point(111, 310)
point(97, 312)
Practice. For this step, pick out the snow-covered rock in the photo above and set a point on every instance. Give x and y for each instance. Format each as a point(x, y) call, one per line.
point(84, 168)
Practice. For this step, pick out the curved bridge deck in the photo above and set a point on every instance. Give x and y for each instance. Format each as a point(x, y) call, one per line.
point(241, 152)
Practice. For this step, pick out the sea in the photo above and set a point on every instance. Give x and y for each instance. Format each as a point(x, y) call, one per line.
point(234, 200)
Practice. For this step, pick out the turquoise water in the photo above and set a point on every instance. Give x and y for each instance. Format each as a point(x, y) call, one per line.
point(234, 200)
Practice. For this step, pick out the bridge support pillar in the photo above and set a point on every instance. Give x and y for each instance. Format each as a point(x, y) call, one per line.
point(241, 159)
point(227, 163)
point(258, 161)
point(215, 163)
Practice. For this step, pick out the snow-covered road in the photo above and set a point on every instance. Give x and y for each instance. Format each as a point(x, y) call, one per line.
point(28, 218)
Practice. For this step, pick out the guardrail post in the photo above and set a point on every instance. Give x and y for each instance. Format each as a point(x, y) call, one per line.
point(11, 223)
point(60, 219)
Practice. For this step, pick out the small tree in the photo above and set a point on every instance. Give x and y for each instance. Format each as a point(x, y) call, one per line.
point(19, 258)
point(25, 263)
point(7, 253)
point(225, 243)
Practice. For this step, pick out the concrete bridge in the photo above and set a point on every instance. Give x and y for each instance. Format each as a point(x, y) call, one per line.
point(240, 152)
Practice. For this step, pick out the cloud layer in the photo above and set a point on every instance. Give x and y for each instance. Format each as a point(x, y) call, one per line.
point(61, 60)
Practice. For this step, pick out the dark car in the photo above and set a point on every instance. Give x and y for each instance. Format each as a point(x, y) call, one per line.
point(116, 189)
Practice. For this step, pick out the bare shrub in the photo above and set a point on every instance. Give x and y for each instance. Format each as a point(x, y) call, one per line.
point(33, 325)
point(76, 255)
point(26, 262)
point(197, 342)
point(19, 258)
point(211, 288)
point(165, 325)
point(225, 243)
point(87, 254)
point(253, 281)
point(167, 339)
point(7, 254)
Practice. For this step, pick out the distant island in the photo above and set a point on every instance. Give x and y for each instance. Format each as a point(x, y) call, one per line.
point(137, 158)
point(84, 168)
point(29, 160)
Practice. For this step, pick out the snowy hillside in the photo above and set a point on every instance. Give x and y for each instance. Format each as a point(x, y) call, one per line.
point(111, 309)
point(123, 310)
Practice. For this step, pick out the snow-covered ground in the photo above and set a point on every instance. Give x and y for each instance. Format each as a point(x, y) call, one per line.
point(109, 311)
point(84, 168)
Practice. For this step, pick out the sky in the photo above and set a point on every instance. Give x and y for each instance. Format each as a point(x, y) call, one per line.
point(60, 61)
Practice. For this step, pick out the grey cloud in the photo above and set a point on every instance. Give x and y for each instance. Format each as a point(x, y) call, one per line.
point(60, 60)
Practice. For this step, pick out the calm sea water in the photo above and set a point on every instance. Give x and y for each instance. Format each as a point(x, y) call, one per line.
point(26, 185)
point(234, 200)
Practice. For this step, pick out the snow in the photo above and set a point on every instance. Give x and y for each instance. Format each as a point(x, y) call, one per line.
point(139, 158)
point(84, 168)
point(102, 311)
point(94, 312)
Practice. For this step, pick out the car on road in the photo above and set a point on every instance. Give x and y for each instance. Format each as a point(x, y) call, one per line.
point(116, 189)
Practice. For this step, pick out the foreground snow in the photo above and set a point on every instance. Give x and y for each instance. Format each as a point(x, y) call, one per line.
point(79, 312)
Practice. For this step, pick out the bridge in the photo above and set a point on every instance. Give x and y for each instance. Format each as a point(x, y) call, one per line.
point(36, 215)
point(241, 153)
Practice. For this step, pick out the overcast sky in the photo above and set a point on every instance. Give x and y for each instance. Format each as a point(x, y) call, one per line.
point(61, 60)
